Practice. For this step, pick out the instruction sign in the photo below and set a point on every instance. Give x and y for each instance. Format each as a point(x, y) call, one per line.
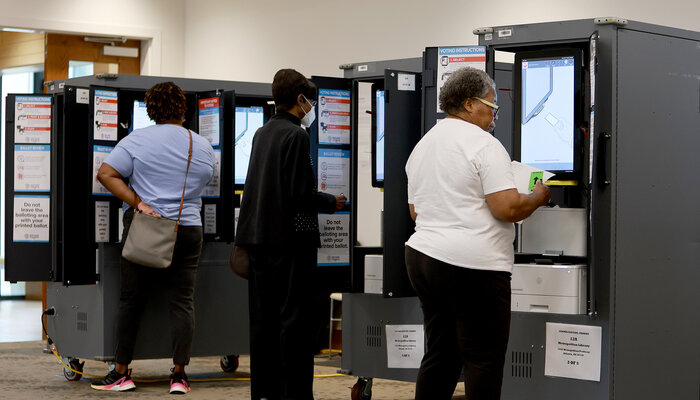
point(210, 218)
point(334, 171)
point(32, 168)
point(101, 221)
point(212, 188)
point(105, 115)
point(209, 120)
point(573, 351)
point(333, 116)
point(32, 119)
point(99, 154)
point(405, 346)
point(31, 219)
point(450, 59)
point(335, 239)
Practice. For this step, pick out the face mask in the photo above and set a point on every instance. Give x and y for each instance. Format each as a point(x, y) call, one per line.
point(309, 117)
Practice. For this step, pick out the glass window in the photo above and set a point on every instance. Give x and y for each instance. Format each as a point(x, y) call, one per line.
point(77, 69)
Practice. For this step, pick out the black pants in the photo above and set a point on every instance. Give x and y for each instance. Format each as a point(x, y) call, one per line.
point(138, 282)
point(467, 322)
point(281, 339)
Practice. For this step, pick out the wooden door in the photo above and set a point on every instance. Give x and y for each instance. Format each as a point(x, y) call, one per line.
point(60, 49)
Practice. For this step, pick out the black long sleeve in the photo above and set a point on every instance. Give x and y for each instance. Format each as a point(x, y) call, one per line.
point(280, 199)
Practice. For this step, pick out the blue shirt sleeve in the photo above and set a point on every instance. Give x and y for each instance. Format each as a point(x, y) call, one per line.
point(121, 160)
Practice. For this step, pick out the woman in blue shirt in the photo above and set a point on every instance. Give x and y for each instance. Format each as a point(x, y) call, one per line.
point(154, 159)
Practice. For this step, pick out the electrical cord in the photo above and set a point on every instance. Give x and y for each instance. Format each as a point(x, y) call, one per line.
point(54, 350)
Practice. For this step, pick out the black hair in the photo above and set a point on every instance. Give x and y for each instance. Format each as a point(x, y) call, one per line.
point(165, 101)
point(287, 85)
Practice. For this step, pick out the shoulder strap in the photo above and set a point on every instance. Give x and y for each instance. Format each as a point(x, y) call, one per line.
point(182, 199)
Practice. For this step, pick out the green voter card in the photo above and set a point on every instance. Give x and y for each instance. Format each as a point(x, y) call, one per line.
point(534, 177)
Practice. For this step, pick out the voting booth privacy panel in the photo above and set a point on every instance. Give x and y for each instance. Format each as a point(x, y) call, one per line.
point(64, 227)
point(603, 288)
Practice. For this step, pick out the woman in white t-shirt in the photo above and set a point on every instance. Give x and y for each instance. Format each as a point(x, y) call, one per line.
point(462, 196)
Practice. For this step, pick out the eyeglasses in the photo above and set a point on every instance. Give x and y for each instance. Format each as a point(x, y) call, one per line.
point(312, 102)
point(495, 108)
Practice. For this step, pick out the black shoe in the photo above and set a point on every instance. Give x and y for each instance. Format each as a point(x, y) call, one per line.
point(114, 381)
point(179, 383)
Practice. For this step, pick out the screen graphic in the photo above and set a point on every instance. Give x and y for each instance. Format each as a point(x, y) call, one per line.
point(248, 120)
point(140, 117)
point(547, 124)
point(379, 145)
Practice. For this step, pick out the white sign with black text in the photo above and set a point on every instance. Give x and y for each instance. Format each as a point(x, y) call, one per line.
point(31, 218)
point(210, 218)
point(405, 346)
point(101, 221)
point(335, 239)
point(573, 351)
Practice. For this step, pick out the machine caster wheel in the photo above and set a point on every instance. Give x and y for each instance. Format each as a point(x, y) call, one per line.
point(229, 363)
point(362, 390)
point(70, 375)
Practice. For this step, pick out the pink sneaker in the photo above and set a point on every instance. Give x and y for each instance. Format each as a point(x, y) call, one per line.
point(178, 383)
point(114, 381)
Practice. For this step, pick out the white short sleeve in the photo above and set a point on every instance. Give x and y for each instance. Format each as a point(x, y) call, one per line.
point(495, 168)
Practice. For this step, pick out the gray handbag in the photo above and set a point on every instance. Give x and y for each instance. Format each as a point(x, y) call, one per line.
point(151, 240)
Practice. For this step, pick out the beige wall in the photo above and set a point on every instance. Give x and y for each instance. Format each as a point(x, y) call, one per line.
point(251, 39)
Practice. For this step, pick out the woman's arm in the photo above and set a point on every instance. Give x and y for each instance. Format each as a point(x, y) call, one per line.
point(114, 182)
point(511, 206)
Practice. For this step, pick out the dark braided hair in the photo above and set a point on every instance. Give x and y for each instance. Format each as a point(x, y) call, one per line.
point(165, 101)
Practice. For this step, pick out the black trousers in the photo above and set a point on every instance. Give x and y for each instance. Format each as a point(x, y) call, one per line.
point(178, 281)
point(467, 322)
point(280, 289)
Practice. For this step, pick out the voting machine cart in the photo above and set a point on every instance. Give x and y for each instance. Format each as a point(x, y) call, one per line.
point(64, 227)
point(604, 295)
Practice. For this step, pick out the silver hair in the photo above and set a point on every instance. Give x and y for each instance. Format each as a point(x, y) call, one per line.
point(464, 84)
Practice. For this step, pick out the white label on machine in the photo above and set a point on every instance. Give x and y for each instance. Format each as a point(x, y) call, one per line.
point(406, 82)
point(450, 59)
point(333, 116)
point(405, 346)
point(212, 188)
point(335, 239)
point(209, 120)
point(210, 218)
point(573, 351)
point(32, 168)
point(99, 154)
point(31, 219)
point(121, 222)
point(82, 96)
point(101, 221)
point(105, 115)
point(236, 213)
point(334, 171)
point(32, 119)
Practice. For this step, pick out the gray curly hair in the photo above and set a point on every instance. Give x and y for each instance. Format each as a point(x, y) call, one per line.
point(464, 84)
